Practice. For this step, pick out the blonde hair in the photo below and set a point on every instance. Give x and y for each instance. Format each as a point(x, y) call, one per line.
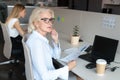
point(16, 10)
point(35, 16)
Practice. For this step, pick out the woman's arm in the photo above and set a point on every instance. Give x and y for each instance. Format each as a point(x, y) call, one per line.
point(54, 36)
point(18, 27)
point(56, 45)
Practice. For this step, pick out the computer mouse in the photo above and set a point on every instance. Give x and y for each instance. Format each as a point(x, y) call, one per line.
point(90, 66)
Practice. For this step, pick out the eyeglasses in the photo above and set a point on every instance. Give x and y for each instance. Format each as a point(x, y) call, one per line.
point(47, 20)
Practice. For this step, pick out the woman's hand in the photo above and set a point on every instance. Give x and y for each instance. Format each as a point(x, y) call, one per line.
point(54, 35)
point(71, 64)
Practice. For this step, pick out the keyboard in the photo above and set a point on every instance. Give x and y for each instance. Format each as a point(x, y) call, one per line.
point(86, 57)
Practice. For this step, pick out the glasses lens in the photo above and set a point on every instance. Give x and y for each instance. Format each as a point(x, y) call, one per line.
point(52, 20)
point(47, 20)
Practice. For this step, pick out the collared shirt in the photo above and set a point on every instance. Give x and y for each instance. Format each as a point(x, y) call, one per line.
point(42, 54)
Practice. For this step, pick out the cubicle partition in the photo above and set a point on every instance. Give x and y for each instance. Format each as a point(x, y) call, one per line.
point(90, 24)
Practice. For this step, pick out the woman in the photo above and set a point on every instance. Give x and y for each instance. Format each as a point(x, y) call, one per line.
point(15, 30)
point(40, 24)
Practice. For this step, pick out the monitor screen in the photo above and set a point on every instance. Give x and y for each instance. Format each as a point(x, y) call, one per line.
point(104, 48)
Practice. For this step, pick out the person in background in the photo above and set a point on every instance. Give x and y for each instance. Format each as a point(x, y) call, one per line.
point(15, 30)
point(40, 25)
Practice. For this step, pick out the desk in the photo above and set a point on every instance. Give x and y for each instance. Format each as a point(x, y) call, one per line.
point(24, 27)
point(90, 74)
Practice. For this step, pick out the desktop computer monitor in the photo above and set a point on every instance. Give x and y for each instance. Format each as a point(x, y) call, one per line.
point(103, 48)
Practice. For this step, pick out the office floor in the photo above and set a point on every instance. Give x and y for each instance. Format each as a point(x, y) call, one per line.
point(4, 69)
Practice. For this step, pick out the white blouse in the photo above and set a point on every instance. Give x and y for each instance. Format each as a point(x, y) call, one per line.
point(12, 31)
point(41, 54)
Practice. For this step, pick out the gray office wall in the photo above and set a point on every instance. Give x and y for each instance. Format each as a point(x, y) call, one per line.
point(90, 23)
point(28, 12)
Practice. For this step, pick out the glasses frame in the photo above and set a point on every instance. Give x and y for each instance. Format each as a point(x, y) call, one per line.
point(48, 20)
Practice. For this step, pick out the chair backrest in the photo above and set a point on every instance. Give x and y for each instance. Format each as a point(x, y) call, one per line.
point(7, 41)
point(28, 63)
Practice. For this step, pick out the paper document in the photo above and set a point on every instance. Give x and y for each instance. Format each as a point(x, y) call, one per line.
point(70, 57)
point(73, 53)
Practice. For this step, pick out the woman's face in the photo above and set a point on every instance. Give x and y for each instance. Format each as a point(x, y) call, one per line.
point(45, 23)
point(22, 13)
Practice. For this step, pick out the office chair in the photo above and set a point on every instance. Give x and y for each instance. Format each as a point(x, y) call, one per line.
point(28, 63)
point(3, 12)
point(3, 16)
point(8, 50)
